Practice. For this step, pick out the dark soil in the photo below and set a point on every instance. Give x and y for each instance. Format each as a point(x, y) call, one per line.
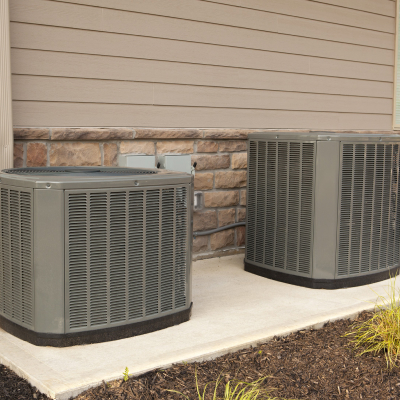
point(314, 364)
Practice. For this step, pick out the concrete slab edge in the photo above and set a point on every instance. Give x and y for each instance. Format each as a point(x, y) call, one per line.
point(23, 374)
point(316, 322)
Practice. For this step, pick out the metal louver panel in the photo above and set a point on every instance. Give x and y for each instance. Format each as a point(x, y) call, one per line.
point(118, 271)
point(251, 200)
point(78, 256)
point(98, 227)
point(167, 253)
point(16, 264)
point(369, 233)
point(127, 257)
point(280, 204)
point(260, 198)
point(136, 283)
point(152, 233)
point(181, 227)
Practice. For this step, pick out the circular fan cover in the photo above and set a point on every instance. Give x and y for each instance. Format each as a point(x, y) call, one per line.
point(76, 171)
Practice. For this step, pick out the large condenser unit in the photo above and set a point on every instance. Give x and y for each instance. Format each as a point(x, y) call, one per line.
point(323, 210)
point(93, 254)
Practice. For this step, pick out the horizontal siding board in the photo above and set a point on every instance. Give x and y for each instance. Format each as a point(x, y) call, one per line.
point(97, 19)
point(27, 113)
point(102, 91)
point(88, 42)
point(34, 62)
point(341, 33)
point(268, 100)
point(353, 70)
point(221, 14)
point(382, 7)
point(306, 64)
point(320, 12)
point(81, 90)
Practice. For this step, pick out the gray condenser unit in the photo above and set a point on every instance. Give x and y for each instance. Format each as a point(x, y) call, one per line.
point(323, 210)
point(93, 254)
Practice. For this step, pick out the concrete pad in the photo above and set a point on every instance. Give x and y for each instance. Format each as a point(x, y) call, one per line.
point(232, 309)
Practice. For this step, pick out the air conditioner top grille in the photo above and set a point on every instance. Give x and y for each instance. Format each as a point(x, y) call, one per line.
point(79, 171)
point(324, 136)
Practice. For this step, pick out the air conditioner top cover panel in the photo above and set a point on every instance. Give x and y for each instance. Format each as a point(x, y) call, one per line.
point(324, 136)
point(89, 177)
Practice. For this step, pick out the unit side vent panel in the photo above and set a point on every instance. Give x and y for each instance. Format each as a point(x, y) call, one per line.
point(181, 227)
point(78, 256)
point(369, 236)
point(16, 251)
point(152, 234)
point(280, 204)
point(127, 255)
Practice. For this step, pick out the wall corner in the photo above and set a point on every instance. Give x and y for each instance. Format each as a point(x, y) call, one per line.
point(6, 125)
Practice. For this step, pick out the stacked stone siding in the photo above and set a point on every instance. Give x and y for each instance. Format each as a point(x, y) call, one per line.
point(221, 157)
point(224, 199)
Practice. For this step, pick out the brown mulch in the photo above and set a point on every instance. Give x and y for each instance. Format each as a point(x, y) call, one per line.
point(313, 365)
point(14, 387)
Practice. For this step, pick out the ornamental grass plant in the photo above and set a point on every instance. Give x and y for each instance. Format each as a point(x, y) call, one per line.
point(232, 390)
point(381, 333)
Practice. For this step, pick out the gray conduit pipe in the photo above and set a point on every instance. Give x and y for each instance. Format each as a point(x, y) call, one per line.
point(204, 233)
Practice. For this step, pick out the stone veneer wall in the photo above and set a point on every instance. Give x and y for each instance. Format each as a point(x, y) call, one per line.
point(220, 173)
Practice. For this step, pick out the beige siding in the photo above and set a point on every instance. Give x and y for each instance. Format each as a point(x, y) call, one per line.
point(378, 7)
point(324, 64)
point(114, 21)
point(100, 43)
point(36, 62)
point(319, 11)
point(72, 90)
point(85, 114)
point(245, 13)
point(220, 14)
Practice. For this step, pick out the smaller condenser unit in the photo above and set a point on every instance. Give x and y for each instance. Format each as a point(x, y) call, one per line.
point(323, 210)
point(93, 254)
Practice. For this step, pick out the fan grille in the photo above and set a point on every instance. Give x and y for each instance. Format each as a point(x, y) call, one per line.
point(127, 255)
point(369, 231)
point(16, 267)
point(280, 201)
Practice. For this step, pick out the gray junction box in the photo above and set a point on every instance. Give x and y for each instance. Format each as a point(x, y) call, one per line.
point(323, 210)
point(93, 254)
point(176, 162)
point(136, 161)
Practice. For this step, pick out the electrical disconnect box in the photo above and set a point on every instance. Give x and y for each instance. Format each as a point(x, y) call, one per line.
point(176, 162)
point(136, 161)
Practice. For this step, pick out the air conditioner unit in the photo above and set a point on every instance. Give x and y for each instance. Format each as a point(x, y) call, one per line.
point(323, 210)
point(93, 254)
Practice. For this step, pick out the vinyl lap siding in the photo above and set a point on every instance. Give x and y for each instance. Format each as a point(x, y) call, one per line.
point(191, 63)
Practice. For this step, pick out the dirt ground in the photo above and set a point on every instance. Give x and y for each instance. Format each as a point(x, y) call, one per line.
point(315, 364)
